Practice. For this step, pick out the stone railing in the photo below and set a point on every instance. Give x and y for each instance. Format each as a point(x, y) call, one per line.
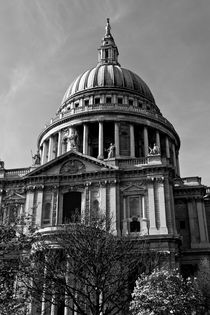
point(132, 162)
point(106, 106)
point(17, 172)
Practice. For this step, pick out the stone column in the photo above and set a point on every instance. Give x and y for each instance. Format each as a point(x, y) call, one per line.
point(113, 208)
point(157, 137)
point(39, 207)
point(85, 139)
point(143, 220)
point(100, 141)
point(102, 206)
point(168, 206)
point(50, 149)
point(173, 209)
point(117, 139)
point(162, 208)
point(152, 218)
point(125, 223)
point(132, 141)
point(202, 221)
point(157, 208)
point(167, 148)
point(44, 153)
point(174, 156)
point(146, 142)
point(59, 148)
point(178, 165)
point(191, 223)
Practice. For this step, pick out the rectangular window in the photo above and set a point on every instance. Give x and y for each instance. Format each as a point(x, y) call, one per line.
point(120, 100)
point(86, 102)
point(76, 105)
point(108, 100)
point(130, 102)
point(97, 100)
point(182, 225)
point(135, 206)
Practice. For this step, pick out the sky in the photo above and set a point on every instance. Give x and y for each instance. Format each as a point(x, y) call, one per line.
point(46, 44)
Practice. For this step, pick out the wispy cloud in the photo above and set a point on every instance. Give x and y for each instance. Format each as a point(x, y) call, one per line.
point(19, 77)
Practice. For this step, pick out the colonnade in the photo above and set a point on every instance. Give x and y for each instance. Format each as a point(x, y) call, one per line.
point(61, 142)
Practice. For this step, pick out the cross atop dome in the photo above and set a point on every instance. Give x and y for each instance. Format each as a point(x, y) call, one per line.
point(108, 52)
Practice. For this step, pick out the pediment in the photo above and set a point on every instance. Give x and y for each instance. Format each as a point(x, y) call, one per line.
point(71, 163)
point(13, 196)
point(132, 188)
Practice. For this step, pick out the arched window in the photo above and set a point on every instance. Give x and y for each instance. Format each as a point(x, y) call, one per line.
point(46, 214)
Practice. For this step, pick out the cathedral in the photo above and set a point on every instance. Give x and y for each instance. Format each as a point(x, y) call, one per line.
point(109, 150)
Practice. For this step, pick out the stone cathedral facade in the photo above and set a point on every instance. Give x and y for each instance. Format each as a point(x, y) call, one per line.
point(109, 150)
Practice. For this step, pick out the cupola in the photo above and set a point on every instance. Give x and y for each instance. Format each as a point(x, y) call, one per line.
point(108, 52)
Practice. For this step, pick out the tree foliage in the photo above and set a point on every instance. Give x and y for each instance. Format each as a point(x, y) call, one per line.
point(166, 292)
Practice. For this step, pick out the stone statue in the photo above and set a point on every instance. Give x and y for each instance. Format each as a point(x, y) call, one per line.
point(73, 140)
point(111, 151)
point(36, 159)
point(155, 150)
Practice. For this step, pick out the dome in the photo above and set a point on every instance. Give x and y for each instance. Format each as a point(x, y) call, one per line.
point(109, 76)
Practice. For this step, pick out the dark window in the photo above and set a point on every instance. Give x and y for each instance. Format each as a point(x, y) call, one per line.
point(120, 100)
point(106, 53)
point(130, 102)
point(182, 225)
point(76, 105)
point(71, 207)
point(148, 107)
point(135, 226)
point(86, 102)
point(46, 213)
point(108, 100)
point(97, 100)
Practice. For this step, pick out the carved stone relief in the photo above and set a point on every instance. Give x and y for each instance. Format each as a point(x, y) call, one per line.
point(73, 166)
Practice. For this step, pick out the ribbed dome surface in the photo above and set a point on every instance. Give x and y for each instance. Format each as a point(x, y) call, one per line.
point(109, 75)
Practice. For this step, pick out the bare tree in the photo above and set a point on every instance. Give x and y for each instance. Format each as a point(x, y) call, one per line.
point(85, 268)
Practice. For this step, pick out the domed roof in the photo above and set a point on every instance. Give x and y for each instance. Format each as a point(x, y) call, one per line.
point(109, 75)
